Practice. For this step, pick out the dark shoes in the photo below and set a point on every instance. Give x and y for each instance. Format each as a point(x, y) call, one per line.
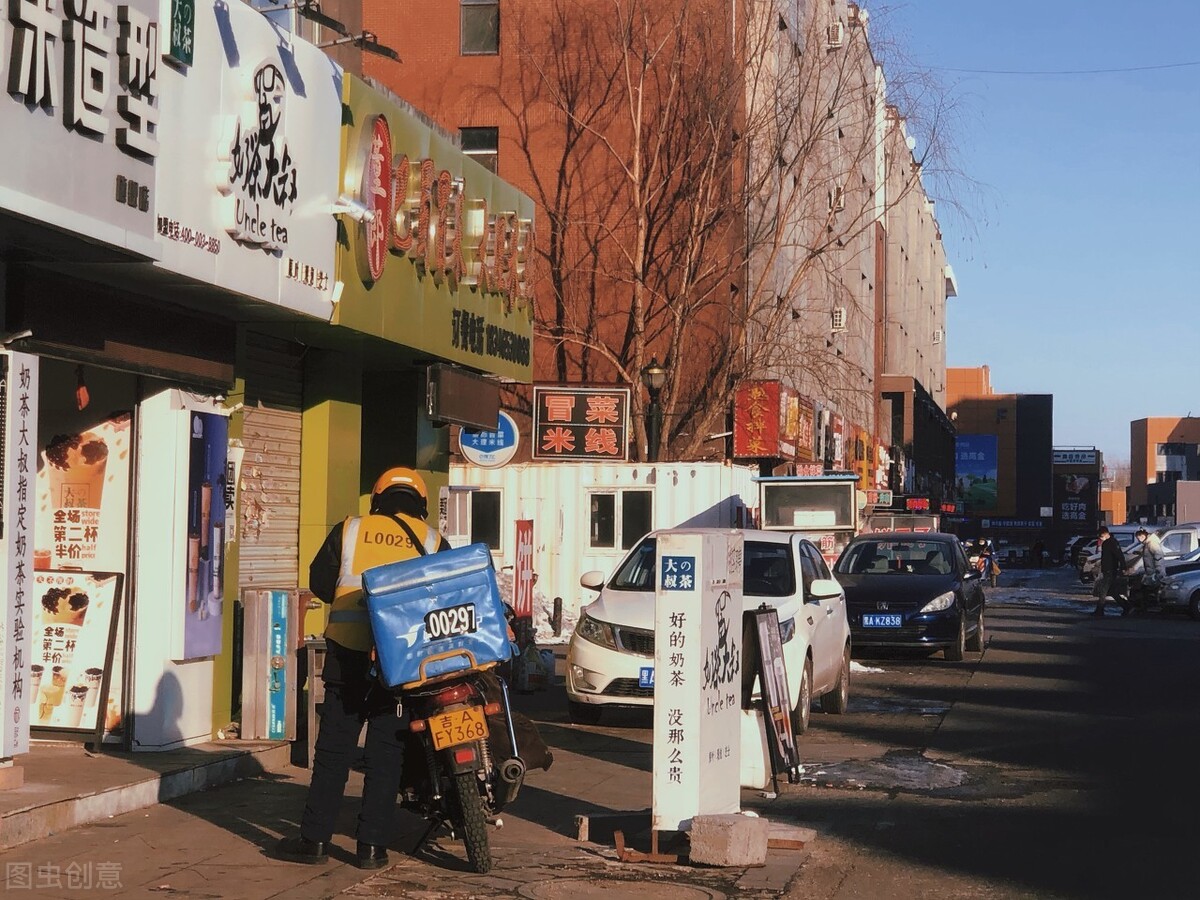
point(1098, 612)
point(371, 856)
point(302, 850)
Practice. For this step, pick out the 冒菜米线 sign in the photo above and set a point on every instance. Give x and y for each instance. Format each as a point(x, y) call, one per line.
point(438, 251)
point(580, 423)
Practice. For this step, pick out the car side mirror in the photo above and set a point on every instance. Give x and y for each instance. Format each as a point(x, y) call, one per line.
point(823, 589)
point(593, 580)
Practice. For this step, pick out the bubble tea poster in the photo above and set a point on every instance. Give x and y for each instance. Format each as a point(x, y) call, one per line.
point(204, 601)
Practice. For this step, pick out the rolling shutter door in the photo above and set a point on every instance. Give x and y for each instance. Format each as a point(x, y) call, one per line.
point(269, 530)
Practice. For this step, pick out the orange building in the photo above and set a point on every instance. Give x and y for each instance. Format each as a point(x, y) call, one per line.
point(1163, 450)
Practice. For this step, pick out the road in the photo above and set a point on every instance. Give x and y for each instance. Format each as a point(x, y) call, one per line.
point(1056, 764)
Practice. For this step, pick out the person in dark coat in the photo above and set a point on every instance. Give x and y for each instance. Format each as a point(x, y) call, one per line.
point(1112, 570)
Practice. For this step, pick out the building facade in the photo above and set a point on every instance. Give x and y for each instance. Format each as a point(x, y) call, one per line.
point(1163, 450)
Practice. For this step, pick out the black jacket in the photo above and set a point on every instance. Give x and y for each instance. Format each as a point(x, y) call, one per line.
point(1112, 557)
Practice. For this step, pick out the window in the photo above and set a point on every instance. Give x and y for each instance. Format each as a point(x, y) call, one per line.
point(634, 521)
point(482, 145)
point(636, 514)
point(638, 572)
point(769, 570)
point(480, 27)
point(603, 530)
point(485, 518)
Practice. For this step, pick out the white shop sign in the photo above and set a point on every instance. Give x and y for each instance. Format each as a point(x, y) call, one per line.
point(251, 144)
point(697, 677)
point(18, 465)
point(80, 117)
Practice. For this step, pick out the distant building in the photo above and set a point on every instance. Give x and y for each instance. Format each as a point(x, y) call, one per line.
point(1003, 459)
point(1163, 451)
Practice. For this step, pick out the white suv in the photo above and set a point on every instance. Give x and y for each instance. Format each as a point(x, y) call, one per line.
point(610, 658)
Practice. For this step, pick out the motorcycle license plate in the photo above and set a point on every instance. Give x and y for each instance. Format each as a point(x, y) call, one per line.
point(461, 726)
point(877, 620)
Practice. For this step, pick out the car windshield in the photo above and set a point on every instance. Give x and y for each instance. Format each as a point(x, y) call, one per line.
point(769, 570)
point(913, 557)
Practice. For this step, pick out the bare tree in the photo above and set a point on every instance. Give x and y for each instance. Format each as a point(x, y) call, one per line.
point(712, 177)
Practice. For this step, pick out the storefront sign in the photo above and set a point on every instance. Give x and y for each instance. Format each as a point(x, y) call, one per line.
point(771, 420)
point(248, 172)
point(491, 449)
point(439, 252)
point(580, 424)
point(523, 570)
point(18, 461)
point(204, 589)
point(697, 677)
point(1076, 498)
point(1012, 523)
point(81, 117)
point(183, 31)
point(1075, 458)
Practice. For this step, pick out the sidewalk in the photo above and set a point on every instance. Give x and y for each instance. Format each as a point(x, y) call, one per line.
point(149, 826)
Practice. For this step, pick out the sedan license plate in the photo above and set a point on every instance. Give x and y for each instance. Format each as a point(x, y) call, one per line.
point(881, 620)
point(646, 677)
point(462, 726)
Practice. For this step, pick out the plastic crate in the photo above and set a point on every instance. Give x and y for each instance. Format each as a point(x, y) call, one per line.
point(436, 616)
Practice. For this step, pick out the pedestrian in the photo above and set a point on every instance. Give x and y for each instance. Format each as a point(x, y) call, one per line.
point(1038, 550)
point(1112, 570)
point(389, 533)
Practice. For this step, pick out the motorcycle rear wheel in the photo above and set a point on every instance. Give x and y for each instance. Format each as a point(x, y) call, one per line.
point(474, 828)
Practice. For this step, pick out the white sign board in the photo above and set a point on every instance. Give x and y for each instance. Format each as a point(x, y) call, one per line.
point(249, 168)
point(18, 456)
point(697, 677)
point(1074, 457)
point(80, 117)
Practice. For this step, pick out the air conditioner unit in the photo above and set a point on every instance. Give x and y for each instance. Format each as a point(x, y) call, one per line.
point(839, 318)
point(939, 336)
point(835, 35)
point(837, 198)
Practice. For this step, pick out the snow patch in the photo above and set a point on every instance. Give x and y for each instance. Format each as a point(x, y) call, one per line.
point(859, 668)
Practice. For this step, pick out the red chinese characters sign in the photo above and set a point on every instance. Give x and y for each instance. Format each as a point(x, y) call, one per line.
point(580, 424)
point(772, 420)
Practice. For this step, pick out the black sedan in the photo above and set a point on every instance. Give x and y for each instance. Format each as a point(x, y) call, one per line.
point(917, 590)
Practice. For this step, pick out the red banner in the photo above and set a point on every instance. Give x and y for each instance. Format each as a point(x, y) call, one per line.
point(523, 570)
point(756, 419)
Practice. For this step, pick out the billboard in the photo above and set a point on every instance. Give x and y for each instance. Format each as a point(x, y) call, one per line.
point(1077, 499)
point(580, 424)
point(975, 463)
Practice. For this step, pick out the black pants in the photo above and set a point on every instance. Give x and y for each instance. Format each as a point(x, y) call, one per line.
point(352, 697)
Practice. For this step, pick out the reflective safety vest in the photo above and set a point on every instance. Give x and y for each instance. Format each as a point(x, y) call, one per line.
point(369, 541)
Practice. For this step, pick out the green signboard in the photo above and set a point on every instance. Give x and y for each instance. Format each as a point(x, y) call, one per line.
point(183, 31)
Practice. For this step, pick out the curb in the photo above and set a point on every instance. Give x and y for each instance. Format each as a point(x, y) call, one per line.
point(31, 823)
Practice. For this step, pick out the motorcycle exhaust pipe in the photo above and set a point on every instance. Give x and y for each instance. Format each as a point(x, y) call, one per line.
point(512, 776)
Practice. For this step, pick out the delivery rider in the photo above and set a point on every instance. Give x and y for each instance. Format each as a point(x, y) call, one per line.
point(391, 532)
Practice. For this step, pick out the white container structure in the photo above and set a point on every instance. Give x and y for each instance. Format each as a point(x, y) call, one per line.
point(587, 515)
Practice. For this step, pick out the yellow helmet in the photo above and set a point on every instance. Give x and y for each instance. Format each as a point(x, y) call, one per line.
point(401, 477)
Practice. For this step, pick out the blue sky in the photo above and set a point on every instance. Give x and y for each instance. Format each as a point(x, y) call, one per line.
point(1079, 267)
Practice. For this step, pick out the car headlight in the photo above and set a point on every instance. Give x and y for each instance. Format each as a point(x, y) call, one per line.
point(787, 630)
point(940, 602)
point(597, 632)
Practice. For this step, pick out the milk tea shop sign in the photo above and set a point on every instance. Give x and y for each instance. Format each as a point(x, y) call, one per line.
point(80, 117)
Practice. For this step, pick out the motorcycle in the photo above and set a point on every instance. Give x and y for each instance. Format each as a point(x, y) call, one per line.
point(452, 776)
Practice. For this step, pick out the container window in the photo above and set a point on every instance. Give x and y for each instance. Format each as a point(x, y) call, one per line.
point(603, 529)
point(636, 514)
point(485, 518)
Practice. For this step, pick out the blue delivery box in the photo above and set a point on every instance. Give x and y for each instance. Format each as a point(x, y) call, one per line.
point(435, 616)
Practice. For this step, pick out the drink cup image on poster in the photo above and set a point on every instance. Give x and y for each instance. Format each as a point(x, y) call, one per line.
point(73, 618)
point(204, 552)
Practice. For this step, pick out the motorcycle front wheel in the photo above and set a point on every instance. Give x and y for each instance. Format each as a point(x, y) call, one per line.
point(470, 814)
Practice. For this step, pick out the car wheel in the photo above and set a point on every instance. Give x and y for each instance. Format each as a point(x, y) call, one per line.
point(838, 699)
point(976, 641)
point(803, 711)
point(1194, 606)
point(956, 651)
point(583, 713)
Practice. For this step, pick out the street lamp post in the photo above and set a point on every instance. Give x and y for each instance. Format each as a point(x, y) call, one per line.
point(654, 377)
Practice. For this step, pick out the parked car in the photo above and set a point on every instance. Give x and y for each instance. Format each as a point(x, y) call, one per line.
point(610, 657)
point(916, 591)
point(1068, 554)
point(1181, 588)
